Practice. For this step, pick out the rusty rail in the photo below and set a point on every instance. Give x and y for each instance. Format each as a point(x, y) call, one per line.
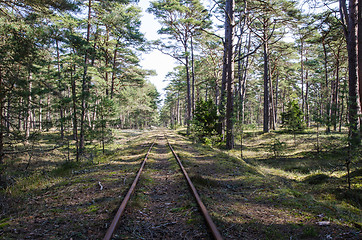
point(216, 234)
point(120, 211)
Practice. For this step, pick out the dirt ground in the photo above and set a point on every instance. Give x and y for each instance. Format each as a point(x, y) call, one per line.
point(244, 202)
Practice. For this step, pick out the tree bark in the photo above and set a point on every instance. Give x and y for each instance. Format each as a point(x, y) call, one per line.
point(341, 114)
point(359, 64)
point(230, 5)
point(349, 18)
point(360, 53)
point(335, 95)
point(266, 80)
point(75, 121)
point(326, 90)
point(223, 87)
point(107, 60)
point(8, 108)
point(84, 94)
point(271, 104)
point(306, 99)
point(40, 114)
point(2, 127)
point(61, 103)
point(28, 115)
point(48, 116)
point(302, 72)
point(276, 98)
point(114, 70)
point(193, 76)
point(188, 118)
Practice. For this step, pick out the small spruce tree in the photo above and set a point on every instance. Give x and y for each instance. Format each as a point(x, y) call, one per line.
point(292, 119)
point(205, 119)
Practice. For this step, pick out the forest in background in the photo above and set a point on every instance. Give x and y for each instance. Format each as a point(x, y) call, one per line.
point(73, 67)
point(289, 64)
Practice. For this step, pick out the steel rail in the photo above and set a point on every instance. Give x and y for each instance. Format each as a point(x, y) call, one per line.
point(216, 234)
point(121, 209)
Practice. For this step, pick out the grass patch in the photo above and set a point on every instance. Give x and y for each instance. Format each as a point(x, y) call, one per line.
point(4, 222)
point(92, 209)
point(203, 181)
point(138, 199)
point(352, 196)
point(272, 233)
point(65, 168)
point(180, 209)
point(309, 231)
point(290, 174)
point(315, 179)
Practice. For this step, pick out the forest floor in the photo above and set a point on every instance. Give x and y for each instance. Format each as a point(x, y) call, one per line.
point(286, 187)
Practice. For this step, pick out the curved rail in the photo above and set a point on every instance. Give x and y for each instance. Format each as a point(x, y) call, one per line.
point(216, 234)
point(120, 211)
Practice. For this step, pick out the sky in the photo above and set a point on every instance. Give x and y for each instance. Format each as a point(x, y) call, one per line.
point(154, 60)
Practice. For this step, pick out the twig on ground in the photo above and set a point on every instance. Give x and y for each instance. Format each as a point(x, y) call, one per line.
point(163, 225)
point(100, 184)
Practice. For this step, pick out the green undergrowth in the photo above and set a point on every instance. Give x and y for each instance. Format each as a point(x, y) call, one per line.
point(58, 173)
point(298, 175)
point(58, 190)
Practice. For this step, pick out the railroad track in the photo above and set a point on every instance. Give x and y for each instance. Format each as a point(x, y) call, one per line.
point(116, 220)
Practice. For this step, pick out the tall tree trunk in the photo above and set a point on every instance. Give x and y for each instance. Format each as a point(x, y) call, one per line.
point(242, 73)
point(75, 120)
point(192, 75)
point(302, 72)
point(8, 110)
point(359, 64)
point(223, 87)
point(271, 103)
point(260, 110)
point(20, 114)
point(178, 109)
point(107, 60)
point(230, 5)
point(349, 18)
point(326, 89)
point(188, 117)
point(266, 79)
point(239, 89)
point(48, 116)
point(335, 95)
point(114, 69)
point(245, 74)
point(276, 98)
point(84, 94)
point(306, 100)
point(341, 114)
point(61, 102)
point(28, 115)
point(2, 127)
point(40, 114)
point(216, 90)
